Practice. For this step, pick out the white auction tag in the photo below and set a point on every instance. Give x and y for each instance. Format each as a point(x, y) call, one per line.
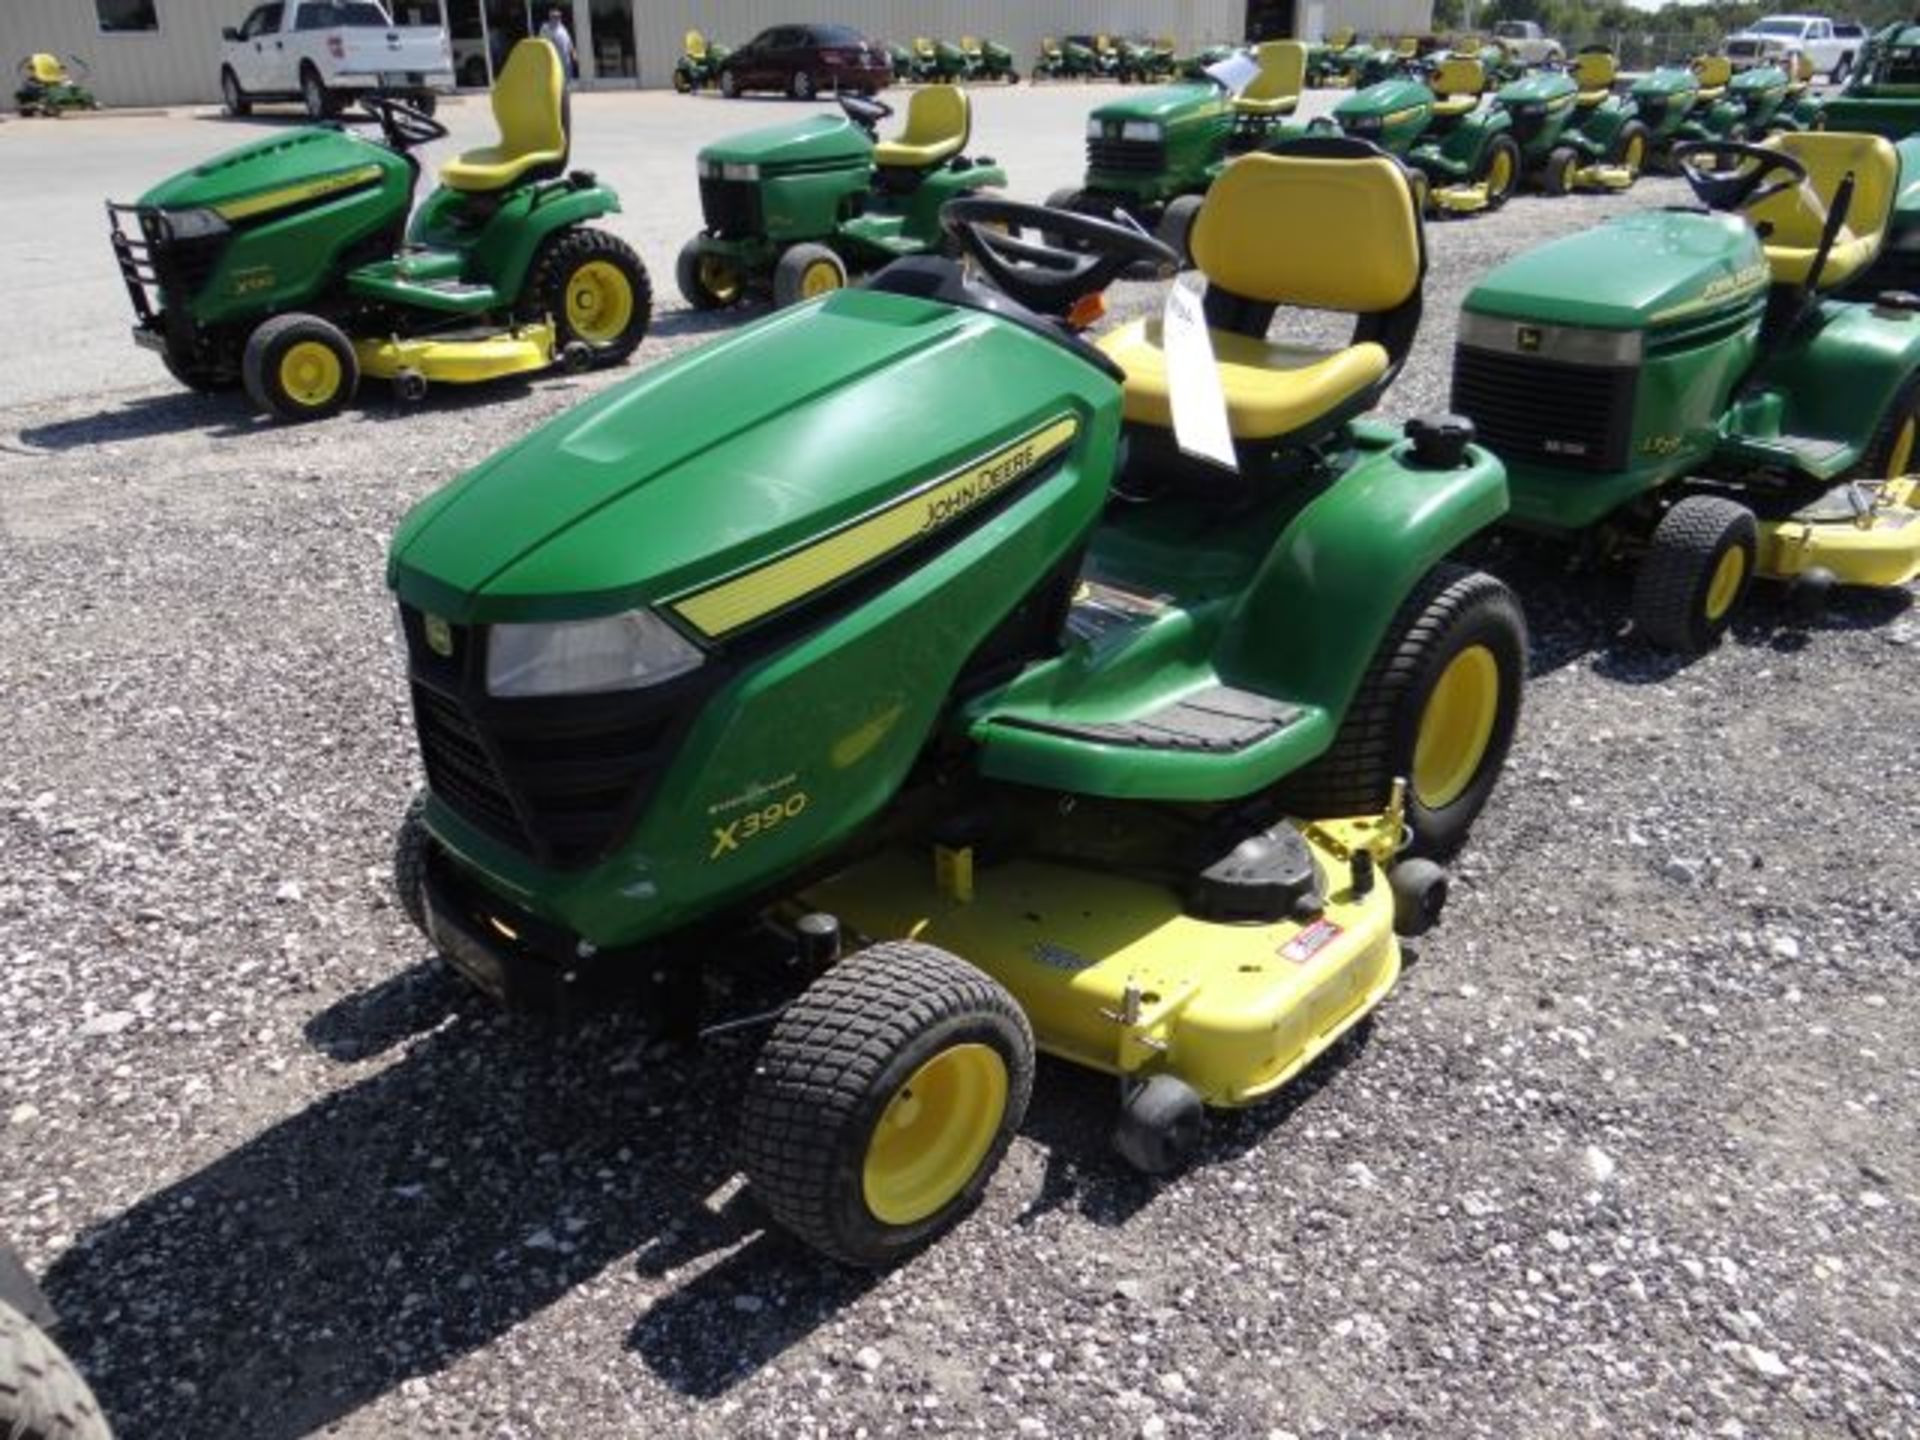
point(1236, 72)
point(1200, 425)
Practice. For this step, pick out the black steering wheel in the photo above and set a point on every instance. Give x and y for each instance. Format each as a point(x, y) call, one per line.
point(1087, 255)
point(864, 110)
point(403, 123)
point(1741, 188)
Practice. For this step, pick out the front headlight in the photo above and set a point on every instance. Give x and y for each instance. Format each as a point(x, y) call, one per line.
point(1147, 130)
point(1094, 132)
point(740, 172)
point(1536, 107)
point(586, 657)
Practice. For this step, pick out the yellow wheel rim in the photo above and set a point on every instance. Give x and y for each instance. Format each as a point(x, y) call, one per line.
point(934, 1133)
point(819, 278)
point(719, 279)
point(1901, 456)
point(599, 302)
point(1727, 576)
point(1456, 727)
point(1499, 173)
point(310, 373)
point(1636, 154)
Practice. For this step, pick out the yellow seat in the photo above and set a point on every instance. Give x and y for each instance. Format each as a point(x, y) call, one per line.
point(1593, 74)
point(939, 119)
point(696, 45)
point(1713, 72)
point(1457, 84)
point(530, 109)
point(923, 47)
point(1797, 217)
point(48, 70)
point(1407, 46)
point(1362, 256)
point(969, 45)
point(1341, 38)
point(1467, 45)
point(1275, 90)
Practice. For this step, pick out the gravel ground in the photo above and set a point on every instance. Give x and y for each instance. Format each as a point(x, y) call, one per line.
point(1630, 1150)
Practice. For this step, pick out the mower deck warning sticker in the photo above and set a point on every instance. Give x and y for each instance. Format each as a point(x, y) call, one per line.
point(1310, 941)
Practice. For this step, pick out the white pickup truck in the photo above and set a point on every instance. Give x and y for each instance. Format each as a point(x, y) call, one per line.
point(1834, 46)
point(324, 52)
point(1526, 42)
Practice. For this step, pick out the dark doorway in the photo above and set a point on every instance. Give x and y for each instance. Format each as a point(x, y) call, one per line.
point(1270, 19)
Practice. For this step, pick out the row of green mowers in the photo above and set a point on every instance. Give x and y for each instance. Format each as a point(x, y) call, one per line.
point(945, 62)
point(1000, 765)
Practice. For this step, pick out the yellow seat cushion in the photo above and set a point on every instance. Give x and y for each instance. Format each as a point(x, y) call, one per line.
point(529, 108)
point(1283, 105)
point(1796, 217)
point(938, 122)
point(1275, 88)
point(1271, 389)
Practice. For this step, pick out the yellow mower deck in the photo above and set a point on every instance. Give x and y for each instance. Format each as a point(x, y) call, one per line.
point(464, 361)
point(1878, 544)
point(1603, 177)
point(1113, 975)
point(1466, 199)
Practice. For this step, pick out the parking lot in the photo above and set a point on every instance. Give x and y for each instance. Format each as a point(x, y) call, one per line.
point(1631, 1150)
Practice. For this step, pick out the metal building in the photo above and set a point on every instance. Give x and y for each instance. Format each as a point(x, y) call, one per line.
point(167, 52)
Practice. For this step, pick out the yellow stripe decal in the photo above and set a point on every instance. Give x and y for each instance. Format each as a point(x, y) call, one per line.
point(295, 194)
point(758, 593)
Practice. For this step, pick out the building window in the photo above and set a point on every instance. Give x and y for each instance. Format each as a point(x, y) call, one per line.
point(127, 17)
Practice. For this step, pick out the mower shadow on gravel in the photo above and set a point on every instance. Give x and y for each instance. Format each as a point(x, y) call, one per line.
point(150, 417)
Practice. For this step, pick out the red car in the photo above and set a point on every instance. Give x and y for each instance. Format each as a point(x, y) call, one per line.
point(807, 60)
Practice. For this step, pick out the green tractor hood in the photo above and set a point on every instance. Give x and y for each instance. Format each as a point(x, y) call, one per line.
point(1665, 83)
point(1538, 88)
point(743, 450)
point(816, 143)
point(1167, 106)
point(1638, 272)
point(1376, 102)
point(292, 168)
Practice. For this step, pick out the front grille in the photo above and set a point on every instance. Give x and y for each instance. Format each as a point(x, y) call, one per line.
point(1549, 412)
point(563, 779)
point(1653, 110)
point(1526, 125)
point(1129, 157)
point(731, 207)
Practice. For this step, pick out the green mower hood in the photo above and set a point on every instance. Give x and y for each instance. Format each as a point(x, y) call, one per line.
point(743, 450)
point(1638, 272)
point(1666, 82)
point(1165, 105)
point(819, 141)
point(1539, 88)
point(293, 168)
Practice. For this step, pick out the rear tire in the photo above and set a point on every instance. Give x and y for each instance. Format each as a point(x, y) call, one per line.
point(1449, 743)
point(682, 81)
point(801, 86)
point(42, 1396)
point(707, 281)
point(806, 272)
point(1895, 446)
point(1696, 569)
point(836, 1141)
point(233, 99)
point(313, 94)
point(299, 367)
point(1556, 176)
point(596, 290)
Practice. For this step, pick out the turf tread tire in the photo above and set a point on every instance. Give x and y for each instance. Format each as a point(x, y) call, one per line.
point(262, 356)
point(1906, 403)
point(565, 253)
point(1669, 592)
point(42, 1396)
point(412, 847)
point(790, 272)
point(1374, 745)
point(827, 1071)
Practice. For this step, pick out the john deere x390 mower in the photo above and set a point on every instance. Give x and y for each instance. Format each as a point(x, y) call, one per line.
point(1019, 744)
point(798, 208)
point(289, 264)
point(1686, 388)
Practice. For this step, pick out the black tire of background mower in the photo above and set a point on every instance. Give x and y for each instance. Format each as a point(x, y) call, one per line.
point(790, 271)
point(560, 257)
point(42, 1396)
point(1556, 176)
point(833, 1062)
point(262, 348)
point(1512, 147)
point(411, 847)
point(1451, 607)
point(1622, 141)
point(686, 274)
point(1670, 589)
point(1176, 226)
point(1906, 403)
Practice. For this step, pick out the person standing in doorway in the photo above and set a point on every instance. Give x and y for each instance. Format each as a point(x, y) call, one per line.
point(555, 32)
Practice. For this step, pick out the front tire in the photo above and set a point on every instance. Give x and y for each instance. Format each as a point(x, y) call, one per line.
point(1500, 170)
point(596, 290)
point(806, 272)
point(884, 1100)
point(1556, 176)
point(707, 281)
point(1631, 147)
point(682, 81)
point(412, 847)
point(233, 99)
point(298, 367)
point(42, 1396)
point(1437, 707)
point(1696, 569)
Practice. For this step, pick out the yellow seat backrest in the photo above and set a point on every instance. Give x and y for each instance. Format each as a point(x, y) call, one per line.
point(1103, 43)
point(1341, 38)
point(696, 45)
point(1283, 70)
point(1467, 45)
point(529, 100)
point(939, 120)
point(1797, 218)
point(969, 45)
point(1407, 45)
point(48, 70)
point(1361, 254)
point(1459, 75)
point(1713, 70)
point(923, 46)
point(1594, 70)
point(1049, 45)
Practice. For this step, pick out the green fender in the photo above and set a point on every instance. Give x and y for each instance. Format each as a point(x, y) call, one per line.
point(504, 249)
point(1596, 130)
point(1468, 140)
point(1838, 376)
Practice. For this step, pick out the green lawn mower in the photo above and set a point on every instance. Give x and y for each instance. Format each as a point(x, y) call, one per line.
point(798, 208)
point(1663, 101)
point(699, 65)
point(1463, 154)
point(51, 87)
point(1068, 61)
point(289, 265)
point(1748, 105)
point(987, 60)
point(1015, 742)
point(1685, 388)
point(1574, 133)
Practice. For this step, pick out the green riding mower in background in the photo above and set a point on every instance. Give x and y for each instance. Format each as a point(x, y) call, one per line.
point(1002, 764)
point(987, 60)
point(1686, 389)
point(1144, 61)
point(1663, 101)
point(699, 64)
point(1462, 154)
point(1574, 133)
point(290, 266)
point(51, 87)
point(796, 209)
point(1749, 105)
